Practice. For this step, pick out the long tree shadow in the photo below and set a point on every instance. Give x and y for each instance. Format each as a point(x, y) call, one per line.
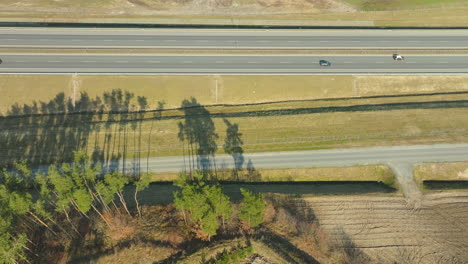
point(233, 146)
point(198, 130)
point(119, 247)
point(284, 248)
point(49, 132)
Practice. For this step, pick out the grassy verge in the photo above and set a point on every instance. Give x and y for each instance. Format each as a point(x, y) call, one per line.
point(24, 89)
point(444, 171)
point(439, 118)
point(399, 4)
point(378, 173)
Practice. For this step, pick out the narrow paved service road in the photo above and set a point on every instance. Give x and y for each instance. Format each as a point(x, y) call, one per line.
point(329, 158)
point(399, 158)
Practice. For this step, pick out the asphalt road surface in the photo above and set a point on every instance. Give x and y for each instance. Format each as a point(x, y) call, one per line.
point(326, 158)
point(234, 64)
point(237, 39)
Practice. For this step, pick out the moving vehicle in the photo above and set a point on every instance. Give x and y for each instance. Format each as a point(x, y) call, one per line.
point(324, 63)
point(398, 57)
point(0, 61)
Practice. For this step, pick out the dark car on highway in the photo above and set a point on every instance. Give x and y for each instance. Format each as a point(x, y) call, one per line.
point(324, 63)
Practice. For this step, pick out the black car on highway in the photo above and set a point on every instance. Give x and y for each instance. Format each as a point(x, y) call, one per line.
point(324, 63)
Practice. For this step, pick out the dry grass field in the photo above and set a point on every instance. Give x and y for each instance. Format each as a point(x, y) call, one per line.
point(436, 13)
point(422, 119)
point(25, 89)
point(385, 230)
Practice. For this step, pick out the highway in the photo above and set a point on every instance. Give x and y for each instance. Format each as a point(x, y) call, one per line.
point(230, 64)
point(233, 39)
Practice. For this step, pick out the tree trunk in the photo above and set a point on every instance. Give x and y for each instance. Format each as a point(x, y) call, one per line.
point(71, 223)
point(78, 209)
point(122, 201)
point(102, 217)
point(136, 202)
point(185, 218)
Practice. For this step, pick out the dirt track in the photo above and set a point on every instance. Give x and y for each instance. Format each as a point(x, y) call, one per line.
point(388, 230)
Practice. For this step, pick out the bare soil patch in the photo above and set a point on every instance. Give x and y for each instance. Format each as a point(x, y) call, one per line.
point(386, 230)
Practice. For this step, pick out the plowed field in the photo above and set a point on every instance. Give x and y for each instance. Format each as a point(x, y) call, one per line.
point(388, 230)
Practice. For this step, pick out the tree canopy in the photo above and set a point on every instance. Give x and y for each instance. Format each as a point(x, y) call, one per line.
point(251, 208)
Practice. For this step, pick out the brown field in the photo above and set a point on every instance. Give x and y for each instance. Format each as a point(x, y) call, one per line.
point(387, 230)
point(243, 12)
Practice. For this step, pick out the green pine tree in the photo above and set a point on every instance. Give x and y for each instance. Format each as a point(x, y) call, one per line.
point(251, 208)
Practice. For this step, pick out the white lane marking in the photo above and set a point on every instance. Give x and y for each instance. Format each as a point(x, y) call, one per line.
point(263, 41)
point(414, 41)
point(202, 40)
point(443, 62)
point(252, 62)
point(88, 61)
point(43, 39)
point(355, 41)
point(219, 61)
point(285, 62)
point(324, 41)
point(347, 62)
point(19, 61)
point(139, 40)
point(122, 61)
point(379, 62)
point(169, 40)
point(293, 41)
point(108, 40)
point(75, 39)
point(153, 61)
point(53, 61)
point(187, 61)
point(10, 39)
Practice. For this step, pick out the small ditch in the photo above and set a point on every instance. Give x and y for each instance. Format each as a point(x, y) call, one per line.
point(444, 185)
point(162, 192)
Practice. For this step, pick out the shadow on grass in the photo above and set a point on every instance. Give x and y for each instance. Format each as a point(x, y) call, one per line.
point(333, 109)
point(49, 132)
point(161, 192)
point(284, 248)
point(120, 246)
point(445, 185)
